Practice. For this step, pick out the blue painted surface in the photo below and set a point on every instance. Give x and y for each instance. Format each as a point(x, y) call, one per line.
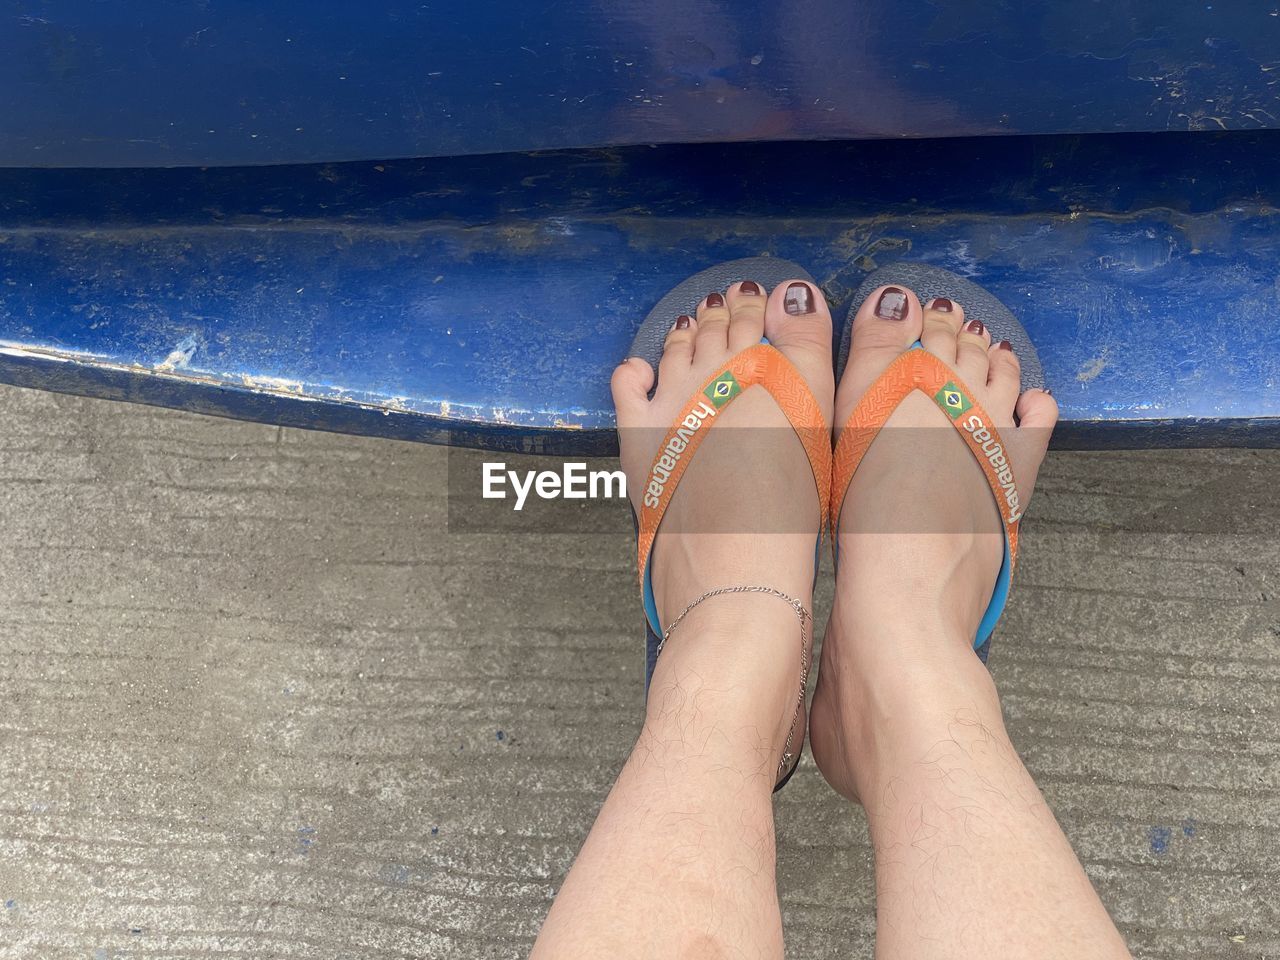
point(486, 300)
point(96, 83)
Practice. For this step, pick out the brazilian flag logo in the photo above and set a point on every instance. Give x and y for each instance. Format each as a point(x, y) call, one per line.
point(723, 389)
point(952, 400)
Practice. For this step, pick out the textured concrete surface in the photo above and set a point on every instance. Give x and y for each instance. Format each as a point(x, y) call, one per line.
point(257, 701)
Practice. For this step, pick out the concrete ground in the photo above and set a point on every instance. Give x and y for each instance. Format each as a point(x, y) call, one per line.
point(258, 701)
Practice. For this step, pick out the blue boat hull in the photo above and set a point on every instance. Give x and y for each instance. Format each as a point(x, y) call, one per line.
point(482, 292)
point(215, 83)
point(485, 301)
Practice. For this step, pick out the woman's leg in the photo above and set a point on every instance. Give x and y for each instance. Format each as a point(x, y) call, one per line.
point(680, 861)
point(970, 861)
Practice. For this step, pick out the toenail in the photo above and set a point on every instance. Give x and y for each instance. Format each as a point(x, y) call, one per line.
point(798, 299)
point(941, 304)
point(1005, 345)
point(751, 287)
point(975, 327)
point(683, 321)
point(715, 300)
point(1048, 392)
point(892, 304)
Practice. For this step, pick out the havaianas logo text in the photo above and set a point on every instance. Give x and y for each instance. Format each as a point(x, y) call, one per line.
point(994, 453)
point(677, 445)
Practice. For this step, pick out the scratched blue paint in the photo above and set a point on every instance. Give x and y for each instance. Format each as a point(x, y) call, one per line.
point(486, 300)
point(1189, 828)
point(1158, 838)
point(500, 736)
point(306, 839)
point(10, 904)
point(88, 83)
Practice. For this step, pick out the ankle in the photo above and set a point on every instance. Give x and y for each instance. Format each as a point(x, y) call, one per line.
point(727, 681)
point(688, 565)
point(907, 632)
point(899, 694)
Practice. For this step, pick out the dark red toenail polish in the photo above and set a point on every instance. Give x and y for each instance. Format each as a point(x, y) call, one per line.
point(751, 287)
point(798, 299)
point(893, 304)
point(1005, 345)
point(975, 327)
point(683, 321)
point(942, 304)
point(715, 300)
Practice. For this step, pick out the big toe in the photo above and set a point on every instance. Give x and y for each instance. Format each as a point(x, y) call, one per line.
point(887, 322)
point(797, 321)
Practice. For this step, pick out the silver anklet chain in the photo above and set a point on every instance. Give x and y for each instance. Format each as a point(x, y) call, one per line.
point(805, 618)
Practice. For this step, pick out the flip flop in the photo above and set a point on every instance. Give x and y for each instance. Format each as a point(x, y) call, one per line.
point(763, 365)
point(917, 369)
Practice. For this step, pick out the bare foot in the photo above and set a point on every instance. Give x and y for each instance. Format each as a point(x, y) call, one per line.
point(746, 510)
point(920, 541)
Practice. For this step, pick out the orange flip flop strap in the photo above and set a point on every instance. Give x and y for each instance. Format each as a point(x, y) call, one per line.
point(918, 369)
point(760, 365)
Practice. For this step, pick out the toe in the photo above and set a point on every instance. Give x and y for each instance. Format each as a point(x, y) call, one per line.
point(631, 382)
point(1037, 416)
point(746, 301)
point(942, 320)
point(713, 323)
point(1003, 376)
point(1038, 411)
point(971, 352)
point(677, 350)
point(887, 323)
point(889, 319)
point(797, 318)
point(798, 322)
